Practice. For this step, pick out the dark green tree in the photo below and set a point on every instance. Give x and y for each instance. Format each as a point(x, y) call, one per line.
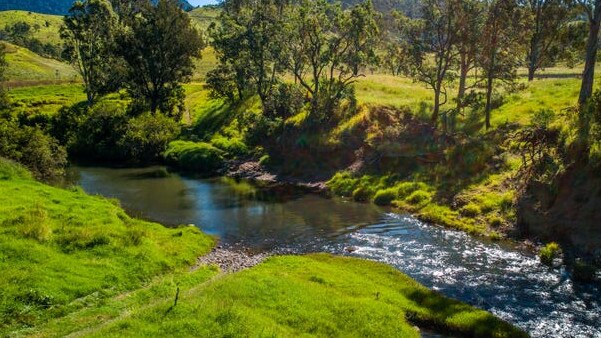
point(89, 37)
point(158, 48)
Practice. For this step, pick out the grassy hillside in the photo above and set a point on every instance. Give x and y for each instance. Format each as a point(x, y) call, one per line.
point(45, 27)
point(61, 249)
point(315, 296)
point(202, 17)
point(25, 67)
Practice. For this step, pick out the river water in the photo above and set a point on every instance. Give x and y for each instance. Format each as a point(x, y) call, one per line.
point(494, 276)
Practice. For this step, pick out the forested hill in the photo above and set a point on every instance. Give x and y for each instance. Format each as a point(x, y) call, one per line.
point(59, 7)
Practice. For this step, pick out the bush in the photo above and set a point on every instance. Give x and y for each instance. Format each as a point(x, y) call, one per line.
point(471, 210)
point(31, 147)
point(418, 197)
point(385, 197)
point(361, 194)
point(147, 136)
point(194, 156)
point(549, 252)
point(232, 146)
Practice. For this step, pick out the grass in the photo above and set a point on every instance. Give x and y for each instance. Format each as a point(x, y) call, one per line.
point(316, 295)
point(61, 249)
point(25, 66)
point(46, 99)
point(47, 25)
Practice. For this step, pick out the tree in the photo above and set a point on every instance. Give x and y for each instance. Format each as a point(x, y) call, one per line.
point(328, 48)
point(592, 10)
point(4, 102)
point(89, 36)
point(248, 43)
point(548, 18)
point(430, 44)
point(502, 38)
point(470, 22)
point(158, 48)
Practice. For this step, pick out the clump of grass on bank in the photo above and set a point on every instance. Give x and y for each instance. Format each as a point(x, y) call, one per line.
point(484, 208)
point(314, 295)
point(194, 156)
point(57, 246)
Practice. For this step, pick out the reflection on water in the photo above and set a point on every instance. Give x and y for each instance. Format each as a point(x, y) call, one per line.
point(509, 283)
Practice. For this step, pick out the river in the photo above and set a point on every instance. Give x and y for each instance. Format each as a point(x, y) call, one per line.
point(494, 276)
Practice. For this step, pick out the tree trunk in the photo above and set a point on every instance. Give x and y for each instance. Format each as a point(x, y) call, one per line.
point(462, 82)
point(588, 77)
point(489, 83)
point(436, 111)
point(532, 59)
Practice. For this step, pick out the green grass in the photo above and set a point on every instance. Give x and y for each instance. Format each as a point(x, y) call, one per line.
point(48, 25)
point(25, 66)
point(46, 99)
point(316, 295)
point(61, 249)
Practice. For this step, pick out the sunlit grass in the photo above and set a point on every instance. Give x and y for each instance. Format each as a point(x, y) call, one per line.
point(24, 65)
point(44, 27)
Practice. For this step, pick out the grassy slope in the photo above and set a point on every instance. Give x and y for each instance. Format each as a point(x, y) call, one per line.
point(49, 25)
point(24, 67)
point(288, 296)
point(61, 250)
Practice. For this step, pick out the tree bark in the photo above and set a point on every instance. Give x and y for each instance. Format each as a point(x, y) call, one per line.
point(588, 77)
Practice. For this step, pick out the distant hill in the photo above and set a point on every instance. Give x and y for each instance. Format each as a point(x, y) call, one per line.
point(45, 27)
point(26, 66)
point(58, 7)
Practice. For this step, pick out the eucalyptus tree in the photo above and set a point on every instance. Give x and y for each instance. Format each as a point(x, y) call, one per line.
point(328, 48)
point(501, 44)
point(592, 11)
point(470, 23)
point(89, 38)
point(430, 44)
point(158, 47)
point(248, 44)
point(548, 19)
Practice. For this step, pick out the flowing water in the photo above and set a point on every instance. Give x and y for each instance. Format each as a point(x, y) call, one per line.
point(497, 277)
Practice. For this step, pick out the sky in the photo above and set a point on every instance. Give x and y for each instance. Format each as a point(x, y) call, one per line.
point(202, 2)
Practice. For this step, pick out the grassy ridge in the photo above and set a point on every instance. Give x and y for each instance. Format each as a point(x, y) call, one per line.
point(57, 246)
point(45, 27)
point(26, 66)
point(315, 296)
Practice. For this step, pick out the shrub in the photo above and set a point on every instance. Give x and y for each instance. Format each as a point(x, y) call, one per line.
point(418, 197)
point(549, 252)
point(194, 156)
point(361, 194)
point(31, 147)
point(233, 146)
point(385, 197)
point(343, 184)
point(146, 137)
point(471, 210)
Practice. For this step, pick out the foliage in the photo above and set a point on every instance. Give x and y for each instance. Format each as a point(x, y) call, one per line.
point(31, 147)
point(63, 250)
point(146, 137)
point(158, 48)
point(89, 36)
point(194, 156)
point(22, 33)
point(4, 103)
point(549, 252)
